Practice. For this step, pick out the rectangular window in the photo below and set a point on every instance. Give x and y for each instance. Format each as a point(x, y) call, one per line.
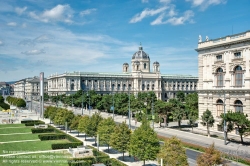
point(220, 80)
point(237, 55)
point(219, 57)
point(238, 79)
point(219, 110)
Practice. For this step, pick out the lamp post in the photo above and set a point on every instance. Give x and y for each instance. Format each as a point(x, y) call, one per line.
point(89, 102)
point(113, 107)
point(129, 114)
point(82, 101)
point(225, 125)
point(153, 116)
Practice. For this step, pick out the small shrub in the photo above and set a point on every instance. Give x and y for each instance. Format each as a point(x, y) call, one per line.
point(65, 145)
point(38, 130)
point(51, 136)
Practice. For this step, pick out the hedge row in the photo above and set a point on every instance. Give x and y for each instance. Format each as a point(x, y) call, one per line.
point(51, 136)
point(4, 106)
point(66, 145)
point(68, 137)
point(19, 102)
point(99, 157)
point(32, 121)
point(202, 149)
point(39, 130)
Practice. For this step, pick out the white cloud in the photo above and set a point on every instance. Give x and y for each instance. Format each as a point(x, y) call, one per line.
point(60, 13)
point(165, 1)
point(204, 4)
point(13, 24)
point(144, 1)
point(44, 38)
point(1, 43)
point(147, 12)
point(20, 11)
point(87, 12)
point(187, 17)
point(34, 52)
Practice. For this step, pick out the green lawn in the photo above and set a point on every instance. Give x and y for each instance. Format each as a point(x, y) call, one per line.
point(11, 125)
point(15, 130)
point(18, 137)
point(38, 159)
point(28, 146)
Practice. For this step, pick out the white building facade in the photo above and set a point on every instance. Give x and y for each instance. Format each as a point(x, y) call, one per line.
point(224, 76)
point(139, 78)
point(29, 87)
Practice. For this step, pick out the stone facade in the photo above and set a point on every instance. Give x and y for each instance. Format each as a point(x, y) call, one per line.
point(139, 79)
point(29, 87)
point(224, 76)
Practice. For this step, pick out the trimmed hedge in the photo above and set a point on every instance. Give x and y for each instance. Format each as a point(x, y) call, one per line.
point(32, 121)
point(51, 136)
point(68, 137)
point(116, 162)
point(66, 145)
point(5, 106)
point(38, 130)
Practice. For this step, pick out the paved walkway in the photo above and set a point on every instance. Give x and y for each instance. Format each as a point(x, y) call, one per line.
point(20, 141)
point(17, 133)
point(33, 152)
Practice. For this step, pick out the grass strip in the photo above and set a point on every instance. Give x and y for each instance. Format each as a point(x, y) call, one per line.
point(18, 137)
point(15, 130)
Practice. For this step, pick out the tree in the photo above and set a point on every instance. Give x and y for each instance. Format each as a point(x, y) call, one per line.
point(207, 120)
point(173, 153)
point(191, 104)
point(211, 156)
point(238, 119)
point(178, 110)
point(59, 117)
point(163, 109)
point(105, 129)
point(144, 143)
point(180, 95)
point(83, 124)
point(192, 120)
point(120, 138)
point(95, 120)
point(75, 122)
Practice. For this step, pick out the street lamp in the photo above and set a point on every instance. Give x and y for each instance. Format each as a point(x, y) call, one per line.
point(82, 101)
point(129, 114)
point(89, 101)
point(225, 125)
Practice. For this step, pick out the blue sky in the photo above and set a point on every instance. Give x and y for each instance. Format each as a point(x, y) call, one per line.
point(99, 36)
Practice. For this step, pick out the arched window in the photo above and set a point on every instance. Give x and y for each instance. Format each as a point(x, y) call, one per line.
point(118, 87)
point(72, 86)
point(238, 75)
point(219, 105)
point(219, 76)
point(143, 86)
point(153, 86)
point(166, 95)
point(145, 65)
point(113, 87)
point(137, 67)
point(148, 87)
point(124, 87)
point(238, 106)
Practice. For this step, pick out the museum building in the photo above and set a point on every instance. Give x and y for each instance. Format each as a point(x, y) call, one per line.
point(134, 79)
point(224, 78)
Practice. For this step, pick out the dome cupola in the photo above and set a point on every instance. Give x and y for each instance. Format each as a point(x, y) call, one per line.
point(140, 54)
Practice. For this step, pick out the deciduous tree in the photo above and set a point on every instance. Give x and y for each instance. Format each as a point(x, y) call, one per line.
point(173, 153)
point(144, 143)
point(211, 156)
point(105, 129)
point(120, 138)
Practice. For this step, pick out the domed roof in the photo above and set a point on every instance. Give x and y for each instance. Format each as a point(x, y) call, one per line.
point(140, 54)
point(156, 63)
point(125, 64)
